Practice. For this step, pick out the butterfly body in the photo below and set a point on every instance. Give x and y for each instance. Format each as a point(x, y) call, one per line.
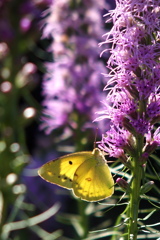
point(86, 173)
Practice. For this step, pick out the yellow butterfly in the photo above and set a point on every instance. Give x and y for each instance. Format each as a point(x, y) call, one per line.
point(86, 173)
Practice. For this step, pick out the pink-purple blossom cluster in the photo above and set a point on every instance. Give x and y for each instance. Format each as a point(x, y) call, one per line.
point(133, 100)
point(73, 84)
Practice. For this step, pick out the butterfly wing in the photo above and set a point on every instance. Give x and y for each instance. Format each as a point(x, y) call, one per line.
point(61, 170)
point(93, 180)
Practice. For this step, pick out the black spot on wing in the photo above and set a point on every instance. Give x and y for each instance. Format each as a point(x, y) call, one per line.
point(64, 178)
point(70, 162)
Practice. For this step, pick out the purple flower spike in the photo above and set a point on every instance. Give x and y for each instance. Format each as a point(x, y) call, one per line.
point(73, 84)
point(133, 103)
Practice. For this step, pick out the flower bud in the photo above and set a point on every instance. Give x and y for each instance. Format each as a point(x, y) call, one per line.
point(146, 187)
point(123, 184)
point(133, 91)
point(151, 147)
point(128, 125)
point(125, 161)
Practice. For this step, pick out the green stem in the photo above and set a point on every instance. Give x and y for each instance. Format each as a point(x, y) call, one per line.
point(134, 202)
point(135, 192)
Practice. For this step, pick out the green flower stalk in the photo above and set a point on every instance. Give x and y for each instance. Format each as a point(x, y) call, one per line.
point(133, 101)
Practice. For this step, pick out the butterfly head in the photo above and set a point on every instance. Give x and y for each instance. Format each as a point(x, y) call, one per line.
point(99, 156)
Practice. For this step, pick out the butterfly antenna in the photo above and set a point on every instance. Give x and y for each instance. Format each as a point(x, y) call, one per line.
point(95, 138)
